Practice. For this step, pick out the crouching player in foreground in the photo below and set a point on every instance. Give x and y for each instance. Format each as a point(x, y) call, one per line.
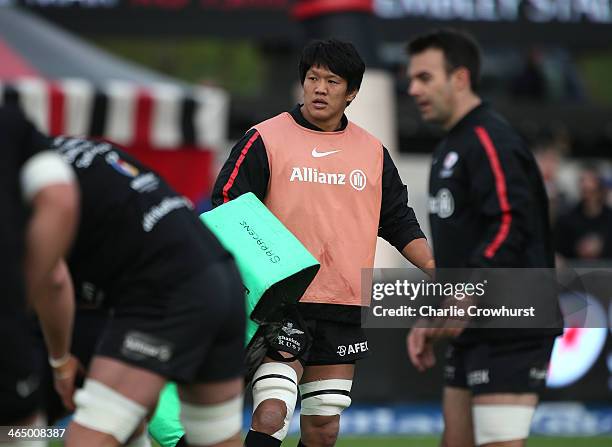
point(176, 300)
point(40, 208)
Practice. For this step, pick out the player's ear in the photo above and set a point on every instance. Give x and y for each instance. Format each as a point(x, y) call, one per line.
point(461, 76)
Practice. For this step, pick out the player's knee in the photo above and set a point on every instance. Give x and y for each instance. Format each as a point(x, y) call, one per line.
point(448, 441)
point(212, 424)
point(269, 416)
point(274, 399)
point(321, 431)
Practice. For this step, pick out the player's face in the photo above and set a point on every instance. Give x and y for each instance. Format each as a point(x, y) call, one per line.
point(431, 86)
point(325, 97)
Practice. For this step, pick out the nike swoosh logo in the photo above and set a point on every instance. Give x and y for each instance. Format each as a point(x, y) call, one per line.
point(317, 154)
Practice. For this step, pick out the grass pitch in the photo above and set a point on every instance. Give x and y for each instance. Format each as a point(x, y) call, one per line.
point(433, 441)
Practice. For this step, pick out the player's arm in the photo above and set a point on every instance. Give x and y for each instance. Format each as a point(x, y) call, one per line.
point(500, 187)
point(418, 252)
point(49, 185)
point(245, 170)
point(55, 309)
point(398, 223)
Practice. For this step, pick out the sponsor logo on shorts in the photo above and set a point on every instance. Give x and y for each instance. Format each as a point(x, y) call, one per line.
point(478, 377)
point(137, 346)
point(294, 339)
point(449, 372)
point(290, 330)
point(538, 373)
point(293, 345)
point(355, 348)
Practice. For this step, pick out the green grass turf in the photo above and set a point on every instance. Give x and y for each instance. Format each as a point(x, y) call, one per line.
point(432, 441)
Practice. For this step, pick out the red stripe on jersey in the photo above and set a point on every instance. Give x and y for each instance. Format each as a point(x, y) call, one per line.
point(234, 174)
point(502, 192)
point(56, 109)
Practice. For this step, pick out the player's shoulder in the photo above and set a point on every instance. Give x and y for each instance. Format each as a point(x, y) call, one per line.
point(372, 140)
point(11, 111)
point(357, 128)
point(282, 119)
point(492, 131)
point(12, 119)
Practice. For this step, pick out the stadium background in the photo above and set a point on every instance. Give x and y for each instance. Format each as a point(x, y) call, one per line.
point(547, 69)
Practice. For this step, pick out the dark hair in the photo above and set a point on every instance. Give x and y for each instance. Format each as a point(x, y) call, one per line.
point(460, 50)
point(339, 57)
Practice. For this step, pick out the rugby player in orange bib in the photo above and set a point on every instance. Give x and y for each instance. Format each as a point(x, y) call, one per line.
point(336, 188)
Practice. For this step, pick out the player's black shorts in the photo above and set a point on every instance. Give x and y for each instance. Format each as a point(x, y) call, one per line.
point(193, 332)
point(501, 367)
point(20, 370)
point(328, 342)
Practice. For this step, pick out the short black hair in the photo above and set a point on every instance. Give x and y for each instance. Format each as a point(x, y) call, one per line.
point(339, 57)
point(460, 50)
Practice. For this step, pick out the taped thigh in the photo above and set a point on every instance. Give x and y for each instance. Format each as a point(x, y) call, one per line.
point(103, 409)
point(325, 397)
point(211, 424)
point(499, 423)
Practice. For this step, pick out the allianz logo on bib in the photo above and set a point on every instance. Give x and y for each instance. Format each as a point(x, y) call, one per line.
point(357, 178)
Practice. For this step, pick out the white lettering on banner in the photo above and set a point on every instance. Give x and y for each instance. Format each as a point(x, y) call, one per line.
point(67, 3)
point(539, 11)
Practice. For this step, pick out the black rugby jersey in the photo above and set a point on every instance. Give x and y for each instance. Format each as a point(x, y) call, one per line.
point(488, 206)
point(136, 234)
point(19, 141)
